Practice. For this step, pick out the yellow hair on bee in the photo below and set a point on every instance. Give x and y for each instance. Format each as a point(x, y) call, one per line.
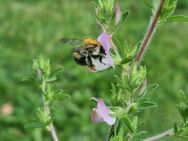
point(90, 41)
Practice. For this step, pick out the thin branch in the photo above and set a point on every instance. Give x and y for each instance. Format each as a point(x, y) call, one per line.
point(51, 126)
point(149, 34)
point(169, 132)
point(53, 132)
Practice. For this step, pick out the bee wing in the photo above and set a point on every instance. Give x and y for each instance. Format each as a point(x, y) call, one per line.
point(69, 41)
point(77, 49)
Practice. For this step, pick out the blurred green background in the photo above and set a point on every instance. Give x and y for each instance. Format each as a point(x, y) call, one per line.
point(29, 28)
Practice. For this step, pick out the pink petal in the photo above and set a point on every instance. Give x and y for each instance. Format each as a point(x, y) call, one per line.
point(102, 113)
point(109, 59)
point(104, 40)
point(95, 118)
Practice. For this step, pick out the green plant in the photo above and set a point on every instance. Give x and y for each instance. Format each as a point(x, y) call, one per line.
point(130, 92)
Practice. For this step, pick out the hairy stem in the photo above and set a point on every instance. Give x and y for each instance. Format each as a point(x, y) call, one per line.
point(47, 111)
point(149, 34)
point(161, 135)
point(51, 126)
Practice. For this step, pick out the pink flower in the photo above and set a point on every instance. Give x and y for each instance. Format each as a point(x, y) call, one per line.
point(104, 39)
point(102, 113)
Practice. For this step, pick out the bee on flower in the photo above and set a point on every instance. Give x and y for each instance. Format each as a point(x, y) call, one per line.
point(93, 53)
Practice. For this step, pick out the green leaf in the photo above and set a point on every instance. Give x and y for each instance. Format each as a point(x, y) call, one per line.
point(36, 124)
point(117, 138)
point(57, 72)
point(152, 88)
point(28, 78)
point(126, 60)
point(169, 7)
point(134, 49)
point(127, 122)
point(140, 133)
point(124, 16)
point(147, 104)
point(178, 18)
point(183, 109)
point(60, 96)
point(48, 122)
point(100, 3)
point(134, 108)
point(52, 79)
point(183, 96)
point(117, 127)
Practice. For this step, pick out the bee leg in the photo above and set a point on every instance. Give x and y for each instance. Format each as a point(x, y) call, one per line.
point(90, 64)
point(100, 59)
point(102, 50)
point(92, 68)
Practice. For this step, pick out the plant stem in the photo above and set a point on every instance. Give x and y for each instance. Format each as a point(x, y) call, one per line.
point(47, 111)
point(149, 34)
point(110, 133)
point(161, 135)
point(51, 126)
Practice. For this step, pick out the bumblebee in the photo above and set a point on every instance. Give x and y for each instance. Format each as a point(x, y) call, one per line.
point(89, 52)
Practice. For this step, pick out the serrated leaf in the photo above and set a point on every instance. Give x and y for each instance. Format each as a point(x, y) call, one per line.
point(178, 18)
point(36, 124)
